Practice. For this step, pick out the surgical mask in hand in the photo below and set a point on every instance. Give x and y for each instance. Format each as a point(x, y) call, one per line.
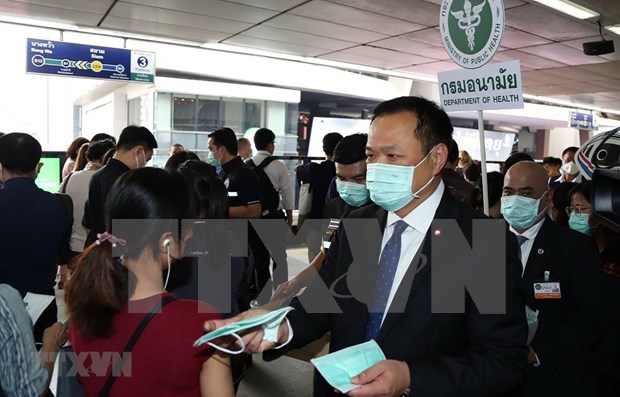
point(354, 194)
point(269, 321)
point(579, 222)
point(339, 367)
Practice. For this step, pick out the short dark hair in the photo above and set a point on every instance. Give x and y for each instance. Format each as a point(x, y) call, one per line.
point(561, 200)
point(585, 188)
point(572, 149)
point(351, 149)
point(179, 158)
point(225, 137)
point(496, 188)
point(96, 150)
point(19, 153)
point(514, 159)
point(434, 125)
point(135, 135)
point(102, 137)
point(453, 152)
point(209, 190)
point(263, 137)
point(550, 160)
point(472, 172)
point(74, 147)
point(330, 141)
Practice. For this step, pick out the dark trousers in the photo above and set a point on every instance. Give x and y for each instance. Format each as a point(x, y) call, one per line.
point(48, 318)
point(262, 262)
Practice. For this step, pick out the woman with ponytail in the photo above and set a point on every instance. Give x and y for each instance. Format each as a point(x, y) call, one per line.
point(118, 282)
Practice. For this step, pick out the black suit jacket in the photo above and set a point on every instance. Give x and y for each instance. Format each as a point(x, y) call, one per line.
point(464, 354)
point(570, 328)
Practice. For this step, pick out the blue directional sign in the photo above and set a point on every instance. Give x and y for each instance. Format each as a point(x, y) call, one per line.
point(69, 59)
point(583, 121)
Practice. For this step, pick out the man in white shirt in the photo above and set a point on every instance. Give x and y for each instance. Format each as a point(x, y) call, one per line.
point(428, 354)
point(277, 172)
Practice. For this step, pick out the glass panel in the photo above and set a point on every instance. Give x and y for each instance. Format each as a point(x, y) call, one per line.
point(208, 114)
point(184, 114)
point(253, 116)
point(233, 114)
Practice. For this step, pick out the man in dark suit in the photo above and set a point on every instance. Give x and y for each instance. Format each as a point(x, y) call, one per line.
point(561, 281)
point(428, 354)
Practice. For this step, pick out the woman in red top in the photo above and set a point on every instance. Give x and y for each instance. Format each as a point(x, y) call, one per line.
point(119, 279)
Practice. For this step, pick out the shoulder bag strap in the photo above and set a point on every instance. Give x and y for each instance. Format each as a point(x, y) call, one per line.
point(116, 367)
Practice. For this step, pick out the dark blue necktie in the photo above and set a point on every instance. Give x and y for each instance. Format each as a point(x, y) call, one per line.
point(385, 278)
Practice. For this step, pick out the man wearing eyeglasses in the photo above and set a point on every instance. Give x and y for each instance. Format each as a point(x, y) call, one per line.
point(561, 282)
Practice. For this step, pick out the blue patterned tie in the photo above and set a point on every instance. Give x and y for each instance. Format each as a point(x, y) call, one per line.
point(385, 278)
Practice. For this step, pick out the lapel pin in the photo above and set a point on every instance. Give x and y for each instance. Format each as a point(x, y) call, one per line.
point(437, 233)
point(541, 251)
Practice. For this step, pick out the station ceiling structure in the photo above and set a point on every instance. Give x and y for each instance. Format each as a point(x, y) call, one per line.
point(395, 35)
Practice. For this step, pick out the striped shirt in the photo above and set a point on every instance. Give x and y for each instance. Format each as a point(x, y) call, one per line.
point(21, 370)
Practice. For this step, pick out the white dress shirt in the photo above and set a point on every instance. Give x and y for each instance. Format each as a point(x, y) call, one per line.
point(278, 175)
point(526, 247)
point(419, 221)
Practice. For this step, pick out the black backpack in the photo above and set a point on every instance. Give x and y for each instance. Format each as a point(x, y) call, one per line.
point(269, 197)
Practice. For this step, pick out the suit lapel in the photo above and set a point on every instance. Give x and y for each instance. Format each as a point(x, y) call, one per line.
point(419, 269)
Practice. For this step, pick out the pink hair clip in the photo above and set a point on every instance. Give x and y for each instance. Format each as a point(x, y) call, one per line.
point(105, 236)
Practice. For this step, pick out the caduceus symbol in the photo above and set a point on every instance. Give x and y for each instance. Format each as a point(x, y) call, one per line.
point(469, 19)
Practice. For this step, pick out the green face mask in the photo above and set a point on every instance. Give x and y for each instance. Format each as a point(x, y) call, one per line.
point(269, 321)
point(339, 367)
point(354, 194)
point(579, 222)
point(520, 212)
point(212, 160)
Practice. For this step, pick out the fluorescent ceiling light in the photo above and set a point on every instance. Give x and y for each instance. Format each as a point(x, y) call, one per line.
point(568, 104)
point(615, 29)
point(569, 8)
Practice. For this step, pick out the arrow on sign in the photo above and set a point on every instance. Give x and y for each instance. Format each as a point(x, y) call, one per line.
point(81, 64)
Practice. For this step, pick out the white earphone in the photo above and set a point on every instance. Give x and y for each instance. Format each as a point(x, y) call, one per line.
point(167, 245)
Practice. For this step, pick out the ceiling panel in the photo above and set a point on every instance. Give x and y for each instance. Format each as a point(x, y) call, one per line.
point(286, 36)
point(276, 46)
point(93, 6)
point(48, 13)
point(428, 36)
point(413, 47)
point(349, 16)
point(416, 11)
point(322, 28)
point(607, 85)
point(154, 28)
point(432, 68)
point(212, 8)
point(561, 53)
point(528, 60)
point(182, 19)
point(507, 3)
point(382, 53)
point(514, 38)
point(344, 56)
point(573, 73)
point(544, 22)
point(276, 5)
point(609, 69)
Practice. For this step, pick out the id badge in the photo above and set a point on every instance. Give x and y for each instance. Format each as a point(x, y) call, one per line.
point(547, 290)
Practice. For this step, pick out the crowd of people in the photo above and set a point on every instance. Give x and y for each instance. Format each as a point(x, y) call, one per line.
point(150, 261)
